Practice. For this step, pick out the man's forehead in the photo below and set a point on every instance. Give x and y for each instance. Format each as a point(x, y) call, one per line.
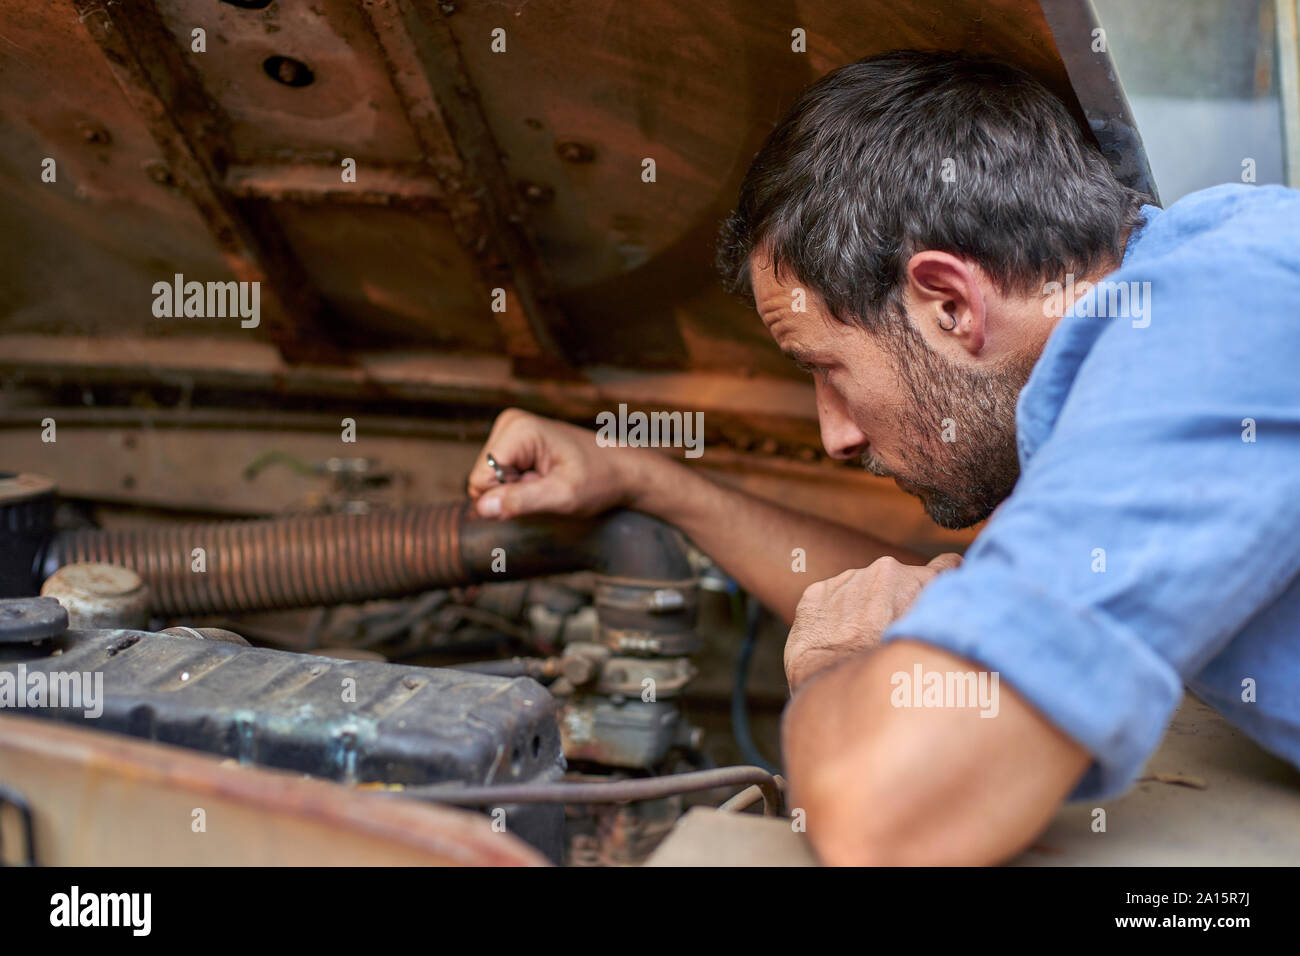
point(774, 296)
point(792, 313)
point(763, 279)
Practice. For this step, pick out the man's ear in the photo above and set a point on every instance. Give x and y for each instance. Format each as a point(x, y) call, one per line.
point(946, 298)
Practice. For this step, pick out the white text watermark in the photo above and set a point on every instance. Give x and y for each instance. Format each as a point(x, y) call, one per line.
point(946, 689)
point(651, 430)
point(74, 690)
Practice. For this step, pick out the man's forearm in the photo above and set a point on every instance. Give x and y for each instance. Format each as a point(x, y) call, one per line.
point(753, 540)
point(909, 785)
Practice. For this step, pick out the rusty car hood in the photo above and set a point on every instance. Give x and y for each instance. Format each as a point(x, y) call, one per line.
point(510, 176)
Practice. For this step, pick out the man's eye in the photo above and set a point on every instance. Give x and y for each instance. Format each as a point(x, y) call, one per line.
point(817, 371)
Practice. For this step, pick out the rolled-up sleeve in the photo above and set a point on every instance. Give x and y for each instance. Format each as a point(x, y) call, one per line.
point(1160, 512)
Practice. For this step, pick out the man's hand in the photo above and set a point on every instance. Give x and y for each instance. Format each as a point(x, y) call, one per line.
point(848, 613)
point(563, 470)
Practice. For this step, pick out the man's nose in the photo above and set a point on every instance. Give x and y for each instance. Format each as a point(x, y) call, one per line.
point(841, 436)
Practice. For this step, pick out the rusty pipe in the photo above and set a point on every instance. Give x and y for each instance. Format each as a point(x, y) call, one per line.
point(218, 567)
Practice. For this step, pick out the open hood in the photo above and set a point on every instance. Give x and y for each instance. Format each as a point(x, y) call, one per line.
point(498, 150)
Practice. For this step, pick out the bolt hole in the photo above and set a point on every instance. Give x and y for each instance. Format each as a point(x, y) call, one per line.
point(537, 747)
point(287, 70)
point(249, 4)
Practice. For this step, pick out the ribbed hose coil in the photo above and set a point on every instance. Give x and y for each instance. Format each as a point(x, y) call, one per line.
point(282, 563)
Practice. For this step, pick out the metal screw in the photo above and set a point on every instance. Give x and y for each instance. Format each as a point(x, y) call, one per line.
point(575, 152)
point(159, 173)
point(538, 194)
point(94, 133)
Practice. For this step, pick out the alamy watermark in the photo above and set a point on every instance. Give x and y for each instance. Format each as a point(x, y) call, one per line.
point(651, 430)
point(1114, 300)
point(946, 689)
point(75, 908)
point(74, 690)
point(208, 300)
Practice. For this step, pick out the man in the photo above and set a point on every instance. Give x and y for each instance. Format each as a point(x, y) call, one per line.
point(949, 225)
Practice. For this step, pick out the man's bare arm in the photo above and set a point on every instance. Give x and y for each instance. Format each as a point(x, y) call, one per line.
point(890, 785)
point(566, 472)
point(753, 539)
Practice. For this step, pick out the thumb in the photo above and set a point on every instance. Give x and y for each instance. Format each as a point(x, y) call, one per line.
point(945, 562)
point(526, 497)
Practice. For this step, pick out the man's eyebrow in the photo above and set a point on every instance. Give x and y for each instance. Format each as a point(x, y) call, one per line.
point(797, 355)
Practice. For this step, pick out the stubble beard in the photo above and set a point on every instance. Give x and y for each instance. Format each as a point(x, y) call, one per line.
point(959, 481)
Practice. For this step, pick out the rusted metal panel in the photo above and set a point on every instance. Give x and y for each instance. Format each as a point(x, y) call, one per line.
point(782, 410)
point(78, 255)
point(695, 87)
point(102, 799)
point(187, 128)
point(516, 168)
point(424, 63)
point(403, 280)
point(348, 109)
point(409, 186)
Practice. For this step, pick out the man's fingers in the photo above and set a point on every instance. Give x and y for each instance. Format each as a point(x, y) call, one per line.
point(481, 477)
point(549, 494)
point(945, 562)
point(511, 444)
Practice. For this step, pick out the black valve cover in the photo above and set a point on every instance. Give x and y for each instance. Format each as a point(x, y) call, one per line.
point(349, 721)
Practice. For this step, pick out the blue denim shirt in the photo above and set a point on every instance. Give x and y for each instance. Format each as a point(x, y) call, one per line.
point(1153, 539)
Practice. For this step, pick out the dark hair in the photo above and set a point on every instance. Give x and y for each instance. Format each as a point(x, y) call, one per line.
point(850, 184)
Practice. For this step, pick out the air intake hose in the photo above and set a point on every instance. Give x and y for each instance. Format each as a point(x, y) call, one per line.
point(220, 567)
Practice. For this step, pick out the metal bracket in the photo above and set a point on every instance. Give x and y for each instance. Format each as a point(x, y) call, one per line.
point(1099, 92)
